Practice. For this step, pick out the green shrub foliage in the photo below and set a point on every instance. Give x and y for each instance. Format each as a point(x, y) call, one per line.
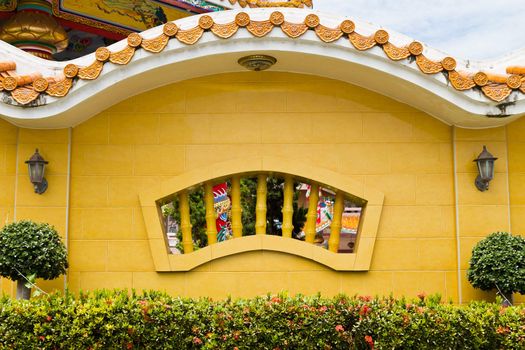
point(122, 320)
point(31, 248)
point(498, 260)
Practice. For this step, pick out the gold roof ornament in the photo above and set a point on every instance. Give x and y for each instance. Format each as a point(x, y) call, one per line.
point(271, 3)
point(34, 30)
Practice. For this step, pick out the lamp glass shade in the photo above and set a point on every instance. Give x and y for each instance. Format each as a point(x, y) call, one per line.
point(486, 169)
point(485, 163)
point(36, 172)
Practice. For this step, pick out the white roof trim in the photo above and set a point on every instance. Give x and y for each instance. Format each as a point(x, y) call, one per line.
point(370, 69)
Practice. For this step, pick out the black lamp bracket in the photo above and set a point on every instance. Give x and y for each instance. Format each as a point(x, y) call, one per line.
point(481, 185)
point(41, 187)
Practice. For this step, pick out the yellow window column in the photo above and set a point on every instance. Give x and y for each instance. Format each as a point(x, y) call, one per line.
point(311, 216)
point(260, 209)
point(236, 207)
point(288, 206)
point(185, 222)
point(211, 228)
point(335, 228)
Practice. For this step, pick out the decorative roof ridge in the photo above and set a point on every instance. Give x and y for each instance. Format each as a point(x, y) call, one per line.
point(495, 87)
point(270, 3)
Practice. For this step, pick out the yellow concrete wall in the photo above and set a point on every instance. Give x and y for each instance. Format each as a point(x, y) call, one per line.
point(515, 133)
point(8, 141)
point(402, 152)
point(50, 206)
point(480, 213)
point(151, 137)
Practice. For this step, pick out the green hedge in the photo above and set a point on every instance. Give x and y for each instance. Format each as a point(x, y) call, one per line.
point(118, 320)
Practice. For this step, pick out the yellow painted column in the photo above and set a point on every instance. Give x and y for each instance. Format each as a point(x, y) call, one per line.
point(260, 209)
point(236, 207)
point(185, 222)
point(335, 228)
point(211, 227)
point(311, 216)
point(288, 206)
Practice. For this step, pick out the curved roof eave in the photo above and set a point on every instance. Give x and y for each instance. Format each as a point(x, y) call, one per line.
point(357, 53)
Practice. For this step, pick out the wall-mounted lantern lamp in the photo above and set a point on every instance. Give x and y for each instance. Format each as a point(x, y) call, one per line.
point(485, 162)
point(37, 166)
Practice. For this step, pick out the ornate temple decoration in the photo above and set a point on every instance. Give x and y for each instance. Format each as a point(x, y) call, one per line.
point(294, 30)
point(271, 3)
point(224, 31)
point(25, 89)
point(34, 30)
point(121, 18)
point(155, 45)
point(496, 92)
point(328, 34)
point(59, 88)
point(360, 42)
point(428, 66)
point(396, 53)
point(460, 81)
point(92, 71)
point(259, 28)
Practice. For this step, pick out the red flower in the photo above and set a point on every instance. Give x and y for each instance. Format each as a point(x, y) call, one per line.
point(366, 298)
point(42, 338)
point(323, 308)
point(49, 318)
point(369, 341)
point(365, 309)
point(339, 328)
point(422, 295)
point(129, 346)
point(276, 300)
point(197, 341)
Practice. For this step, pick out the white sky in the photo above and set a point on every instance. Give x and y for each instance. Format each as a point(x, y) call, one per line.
point(470, 29)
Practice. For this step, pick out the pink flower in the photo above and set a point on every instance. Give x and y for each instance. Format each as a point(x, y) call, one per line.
point(197, 341)
point(339, 328)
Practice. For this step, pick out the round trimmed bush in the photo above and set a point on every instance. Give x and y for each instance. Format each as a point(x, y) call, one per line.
point(30, 248)
point(498, 262)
